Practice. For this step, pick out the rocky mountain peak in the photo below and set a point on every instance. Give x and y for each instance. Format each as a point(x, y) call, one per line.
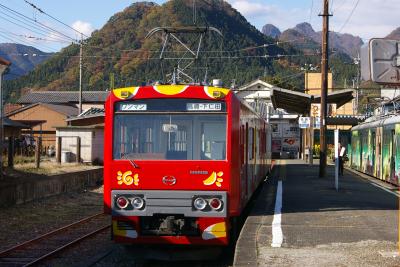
point(305, 28)
point(271, 31)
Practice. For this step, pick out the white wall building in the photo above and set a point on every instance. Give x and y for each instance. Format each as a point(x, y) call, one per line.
point(92, 140)
point(285, 129)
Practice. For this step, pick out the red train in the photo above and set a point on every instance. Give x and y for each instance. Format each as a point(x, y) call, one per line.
point(180, 163)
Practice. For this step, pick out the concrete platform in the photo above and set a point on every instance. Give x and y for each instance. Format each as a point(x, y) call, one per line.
point(300, 219)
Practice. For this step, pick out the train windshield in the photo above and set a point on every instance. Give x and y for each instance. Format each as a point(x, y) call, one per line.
point(180, 136)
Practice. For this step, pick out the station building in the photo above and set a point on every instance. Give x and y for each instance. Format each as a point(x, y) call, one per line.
point(286, 138)
point(43, 111)
point(342, 112)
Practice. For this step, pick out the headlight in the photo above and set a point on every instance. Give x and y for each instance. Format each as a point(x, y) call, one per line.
point(137, 203)
point(200, 203)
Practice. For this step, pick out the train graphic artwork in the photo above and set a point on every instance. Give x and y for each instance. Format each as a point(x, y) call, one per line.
point(375, 148)
point(180, 163)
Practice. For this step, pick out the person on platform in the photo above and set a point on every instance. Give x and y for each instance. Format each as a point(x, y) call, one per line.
point(342, 151)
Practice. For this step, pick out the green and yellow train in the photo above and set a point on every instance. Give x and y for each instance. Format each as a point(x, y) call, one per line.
point(375, 148)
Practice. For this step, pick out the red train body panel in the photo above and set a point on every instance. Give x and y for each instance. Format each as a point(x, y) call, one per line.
point(180, 162)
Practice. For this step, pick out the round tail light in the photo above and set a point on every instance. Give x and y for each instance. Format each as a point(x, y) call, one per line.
point(215, 203)
point(137, 203)
point(122, 202)
point(199, 203)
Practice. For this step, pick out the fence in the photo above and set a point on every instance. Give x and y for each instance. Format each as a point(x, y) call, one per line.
point(35, 148)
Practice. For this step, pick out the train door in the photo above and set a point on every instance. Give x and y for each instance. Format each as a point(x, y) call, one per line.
point(246, 172)
point(250, 164)
point(360, 143)
point(373, 143)
point(378, 164)
point(386, 154)
point(243, 163)
point(392, 156)
point(397, 155)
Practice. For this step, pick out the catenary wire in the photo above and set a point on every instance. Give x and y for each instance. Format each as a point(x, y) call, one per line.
point(349, 17)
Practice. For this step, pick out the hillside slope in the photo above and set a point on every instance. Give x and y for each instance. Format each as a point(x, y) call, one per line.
point(304, 32)
point(121, 49)
point(24, 58)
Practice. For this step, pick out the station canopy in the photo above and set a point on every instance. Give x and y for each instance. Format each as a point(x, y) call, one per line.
point(300, 103)
point(291, 101)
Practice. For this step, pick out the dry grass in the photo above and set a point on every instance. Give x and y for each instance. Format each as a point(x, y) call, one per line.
point(26, 221)
point(52, 168)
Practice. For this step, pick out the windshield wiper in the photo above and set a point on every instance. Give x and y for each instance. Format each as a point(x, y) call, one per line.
point(134, 164)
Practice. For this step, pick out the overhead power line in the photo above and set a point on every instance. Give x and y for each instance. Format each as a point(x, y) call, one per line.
point(32, 28)
point(349, 17)
point(54, 18)
point(278, 56)
point(18, 39)
point(38, 22)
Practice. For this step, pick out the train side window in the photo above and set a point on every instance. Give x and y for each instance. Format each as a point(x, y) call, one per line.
point(250, 146)
point(241, 145)
point(255, 142)
point(263, 141)
point(246, 143)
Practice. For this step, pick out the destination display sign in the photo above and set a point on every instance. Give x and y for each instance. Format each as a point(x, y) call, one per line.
point(170, 105)
point(133, 107)
point(203, 107)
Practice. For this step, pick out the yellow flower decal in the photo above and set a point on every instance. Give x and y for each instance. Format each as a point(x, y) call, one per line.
point(126, 178)
point(215, 178)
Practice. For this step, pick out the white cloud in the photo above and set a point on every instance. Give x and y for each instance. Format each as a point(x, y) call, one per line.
point(83, 27)
point(250, 9)
point(260, 13)
point(372, 18)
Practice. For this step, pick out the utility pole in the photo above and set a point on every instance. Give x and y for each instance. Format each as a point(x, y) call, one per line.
point(324, 88)
point(357, 62)
point(80, 74)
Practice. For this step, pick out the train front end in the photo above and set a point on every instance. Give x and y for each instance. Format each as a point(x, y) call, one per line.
point(167, 173)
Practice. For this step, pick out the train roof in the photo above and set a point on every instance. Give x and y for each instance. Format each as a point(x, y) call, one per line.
point(394, 119)
point(172, 90)
point(199, 91)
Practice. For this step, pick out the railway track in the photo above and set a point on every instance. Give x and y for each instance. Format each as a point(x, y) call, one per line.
point(43, 247)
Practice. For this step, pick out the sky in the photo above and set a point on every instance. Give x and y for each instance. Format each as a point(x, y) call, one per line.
point(364, 18)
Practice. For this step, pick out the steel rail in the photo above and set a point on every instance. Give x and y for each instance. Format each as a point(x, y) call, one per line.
point(21, 245)
point(70, 244)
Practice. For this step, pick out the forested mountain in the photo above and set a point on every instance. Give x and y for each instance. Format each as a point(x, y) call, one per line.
point(24, 58)
point(120, 49)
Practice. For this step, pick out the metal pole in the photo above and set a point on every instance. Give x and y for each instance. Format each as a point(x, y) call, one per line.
point(337, 159)
point(306, 149)
point(358, 82)
point(324, 88)
point(80, 74)
point(310, 152)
